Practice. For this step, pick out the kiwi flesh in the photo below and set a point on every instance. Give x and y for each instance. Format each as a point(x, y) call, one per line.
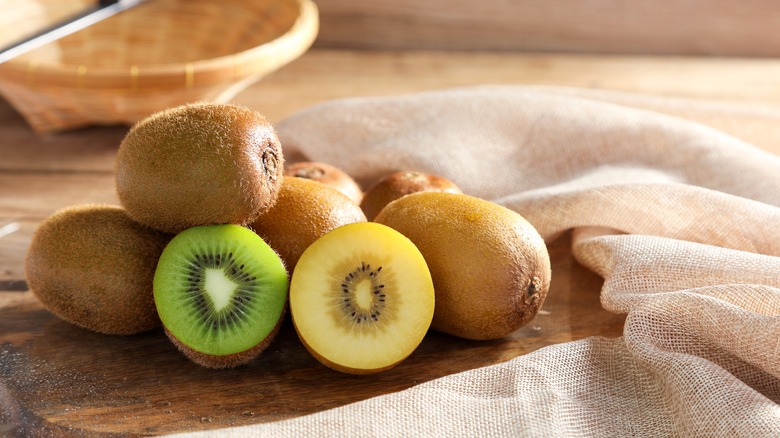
point(490, 266)
point(199, 164)
point(397, 184)
point(328, 175)
point(221, 294)
point(92, 266)
point(361, 298)
point(304, 211)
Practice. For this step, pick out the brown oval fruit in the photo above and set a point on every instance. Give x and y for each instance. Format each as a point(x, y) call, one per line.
point(304, 211)
point(398, 184)
point(327, 174)
point(93, 267)
point(199, 164)
point(490, 267)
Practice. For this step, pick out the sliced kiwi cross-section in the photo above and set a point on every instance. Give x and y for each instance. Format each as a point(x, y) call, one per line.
point(221, 293)
point(361, 298)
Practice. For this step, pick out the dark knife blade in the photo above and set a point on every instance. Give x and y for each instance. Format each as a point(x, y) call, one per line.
point(101, 11)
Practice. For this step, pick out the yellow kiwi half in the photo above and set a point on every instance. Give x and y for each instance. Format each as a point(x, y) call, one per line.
point(93, 266)
point(361, 298)
point(304, 211)
point(490, 266)
point(199, 164)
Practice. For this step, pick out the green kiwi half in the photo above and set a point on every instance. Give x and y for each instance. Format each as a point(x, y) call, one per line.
point(221, 294)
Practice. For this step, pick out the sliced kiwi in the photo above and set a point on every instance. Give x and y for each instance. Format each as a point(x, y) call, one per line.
point(221, 293)
point(92, 266)
point(361, 298)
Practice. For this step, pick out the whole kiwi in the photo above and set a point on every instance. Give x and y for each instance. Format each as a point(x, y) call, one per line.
point(397, 184)
point(93, 266)
point(327, 174)
point(304, 211)
point(490, 267)
point(199, 164)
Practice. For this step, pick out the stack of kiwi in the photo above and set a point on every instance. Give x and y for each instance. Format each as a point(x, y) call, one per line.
point(217, 240)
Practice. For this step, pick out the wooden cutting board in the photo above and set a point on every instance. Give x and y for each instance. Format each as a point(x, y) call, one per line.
point(56, 378)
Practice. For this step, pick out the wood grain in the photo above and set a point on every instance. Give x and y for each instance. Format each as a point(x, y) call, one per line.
point(322, 75)
point(670, 27)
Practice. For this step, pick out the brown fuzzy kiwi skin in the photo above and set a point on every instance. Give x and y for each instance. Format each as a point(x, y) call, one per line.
point(398, 184)
point(199, 164)
point(229, 360)
point(305, 210)
point(490, 267)
point(329, 175)
point(92, 266)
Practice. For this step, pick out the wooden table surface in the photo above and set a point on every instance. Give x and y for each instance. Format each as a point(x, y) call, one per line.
point(58, 379)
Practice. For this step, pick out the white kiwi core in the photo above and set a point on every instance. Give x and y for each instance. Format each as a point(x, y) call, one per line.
point(219, 288)
point(363, 295)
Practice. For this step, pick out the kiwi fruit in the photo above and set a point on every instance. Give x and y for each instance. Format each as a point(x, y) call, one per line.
point(221, 294)
point(327, 174)
point(398, 184)
point(92, 266)
point(304, 211)
point(199, 164)
point(490, 267)
point(361, 298)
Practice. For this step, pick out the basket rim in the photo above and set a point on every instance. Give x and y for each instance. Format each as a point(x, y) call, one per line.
point(254, 61)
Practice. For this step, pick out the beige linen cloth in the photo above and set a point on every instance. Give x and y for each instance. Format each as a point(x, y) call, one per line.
point(669, 200)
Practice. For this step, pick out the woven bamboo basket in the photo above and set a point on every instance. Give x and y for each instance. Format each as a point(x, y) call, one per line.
point(159, 54)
